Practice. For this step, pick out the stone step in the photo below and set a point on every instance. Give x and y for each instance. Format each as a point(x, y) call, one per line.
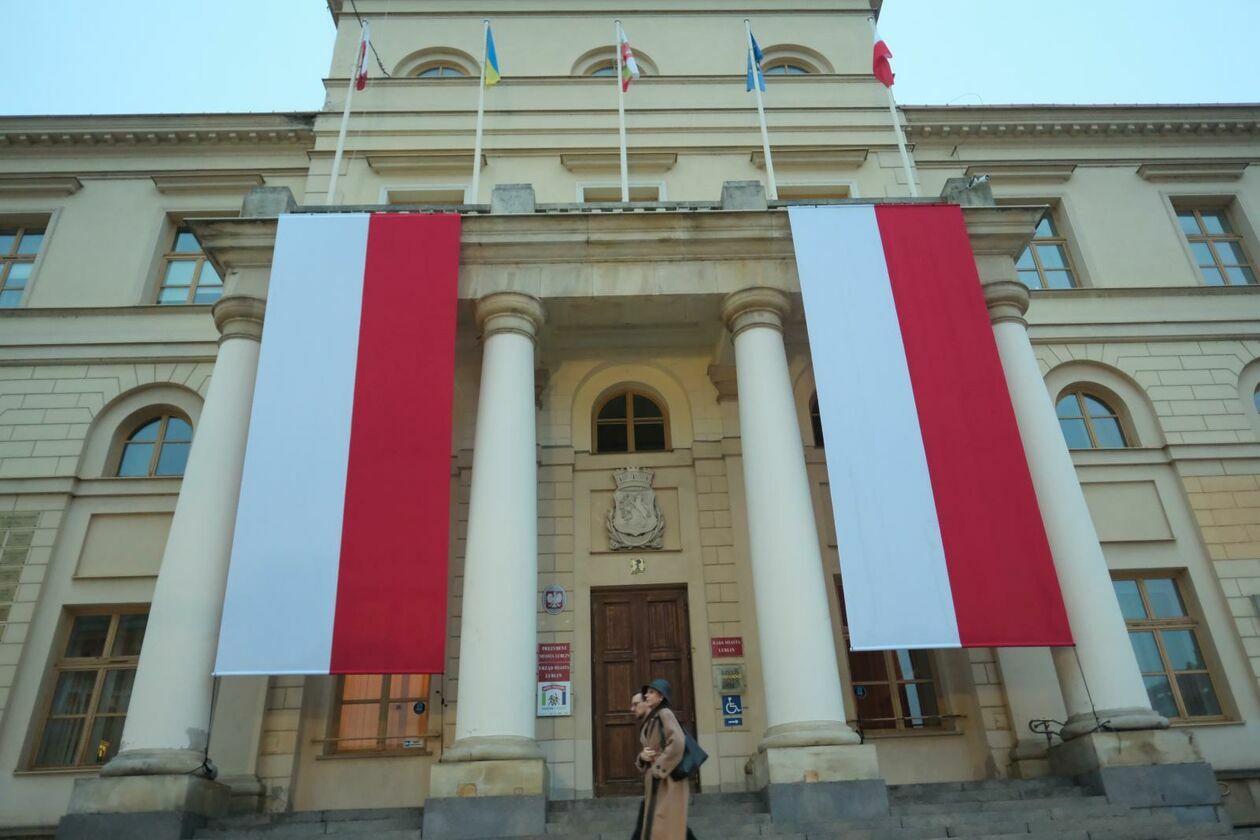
point(1044, 783)
point(1078, 804)
point(992, 794)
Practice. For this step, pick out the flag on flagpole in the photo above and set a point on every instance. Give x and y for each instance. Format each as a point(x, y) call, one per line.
point(361, 67)
point(755, 74)
point(490, 73)
point(339, 555)
point(880, 64)
point(629, 67)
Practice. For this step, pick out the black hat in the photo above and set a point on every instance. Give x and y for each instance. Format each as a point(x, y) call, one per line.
point(661, 686)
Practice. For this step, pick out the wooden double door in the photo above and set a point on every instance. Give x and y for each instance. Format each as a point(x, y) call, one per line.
point(638, 635)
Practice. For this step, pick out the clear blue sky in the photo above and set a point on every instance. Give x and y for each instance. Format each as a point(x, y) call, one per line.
point(146, 56)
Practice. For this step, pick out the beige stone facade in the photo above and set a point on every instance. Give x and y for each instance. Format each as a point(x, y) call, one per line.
point(632, 299)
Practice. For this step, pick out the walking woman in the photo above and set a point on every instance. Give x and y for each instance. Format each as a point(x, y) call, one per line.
point(665, 799)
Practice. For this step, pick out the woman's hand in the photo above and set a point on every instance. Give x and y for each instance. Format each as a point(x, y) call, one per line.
point(648, 755)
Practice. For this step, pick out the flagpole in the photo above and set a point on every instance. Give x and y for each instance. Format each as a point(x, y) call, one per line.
point(345, 124)
point(621, 116)
point(896, 121)
point(481, 112)
point(772, 188)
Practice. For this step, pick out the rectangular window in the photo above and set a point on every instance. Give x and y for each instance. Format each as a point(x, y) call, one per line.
point(1047, 263)
point(91, 689)
point(813, 192)
point(1216, 245)
point(19, 246)
point(893, 690)
point(377, 713)
point(604, 193)
point(187, 276)
point(1166, 641)
point(17, 533)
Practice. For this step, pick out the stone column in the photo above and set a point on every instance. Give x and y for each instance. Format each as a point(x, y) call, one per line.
point(1099, 677)
point(495, 754)
point(159, 767)
point(807, 739)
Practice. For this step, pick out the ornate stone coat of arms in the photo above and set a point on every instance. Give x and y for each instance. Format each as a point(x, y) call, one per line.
point(635, 521)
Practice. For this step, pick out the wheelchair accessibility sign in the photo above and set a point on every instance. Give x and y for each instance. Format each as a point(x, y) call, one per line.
point(732, 710)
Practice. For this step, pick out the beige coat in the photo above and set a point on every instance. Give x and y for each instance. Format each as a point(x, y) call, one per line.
point(664, 799)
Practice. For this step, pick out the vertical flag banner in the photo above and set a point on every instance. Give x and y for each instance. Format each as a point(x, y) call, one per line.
point(756, 78)
point(880, 64)
point(629, 67)
point(940, 537)
point(361, 68)
point(490, 73)
point(339, 557)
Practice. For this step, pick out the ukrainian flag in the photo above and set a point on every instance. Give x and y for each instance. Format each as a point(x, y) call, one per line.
point(490, 73)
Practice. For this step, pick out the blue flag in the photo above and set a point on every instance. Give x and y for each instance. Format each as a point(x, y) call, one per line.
point(754, 57)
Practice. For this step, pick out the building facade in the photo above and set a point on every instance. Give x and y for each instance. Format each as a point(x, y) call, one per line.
point(621, 347)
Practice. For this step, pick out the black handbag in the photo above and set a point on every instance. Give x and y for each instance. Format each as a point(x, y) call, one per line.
point(693, 755)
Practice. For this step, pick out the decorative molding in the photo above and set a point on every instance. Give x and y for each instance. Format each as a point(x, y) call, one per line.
point(38, 186)
point(586, 163)
point(207, 182)
point(1223, 170)
point(1024, 173)
point(162, 130)
point(957, 123)
point(813, 158)
point(421, 163)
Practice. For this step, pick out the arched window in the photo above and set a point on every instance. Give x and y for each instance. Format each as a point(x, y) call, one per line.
point(630, 421)
point(609, 69)
point(1088, 422)
point(815, 420)
point(786, 68)
point(1255, 398)
point(157, 447)
point(441, 71)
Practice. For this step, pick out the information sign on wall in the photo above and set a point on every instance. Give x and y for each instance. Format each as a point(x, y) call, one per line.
point(553, 662)
point(725, 647)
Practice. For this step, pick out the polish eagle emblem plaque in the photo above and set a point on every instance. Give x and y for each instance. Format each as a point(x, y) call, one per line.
point(635, 521)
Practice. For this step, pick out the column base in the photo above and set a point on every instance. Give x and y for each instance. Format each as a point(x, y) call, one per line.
point(490, 798)
point(1145, 769)
point(153, 807)
point(820, 783)
point(1122, 720)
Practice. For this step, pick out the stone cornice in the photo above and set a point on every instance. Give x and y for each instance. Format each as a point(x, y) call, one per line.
point(38, 186)
point(820, 158)
point(1225, 170)
point(236, 243)
point(207, 182)
point(586, 163)
point(1088, 122)
point(156, 131)
point(1024, 173)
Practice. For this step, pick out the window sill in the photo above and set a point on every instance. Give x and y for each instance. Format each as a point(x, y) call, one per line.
point(348, 756)
point(59, 771)
point(1182, 724)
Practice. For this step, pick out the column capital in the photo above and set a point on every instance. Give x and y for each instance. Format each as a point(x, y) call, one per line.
point(509, 312)
point(239, 316)
point(1007, 300)
point(758, 306)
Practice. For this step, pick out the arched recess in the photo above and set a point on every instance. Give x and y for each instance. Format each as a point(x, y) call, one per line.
point(1126, 397)
point(803, 388)
point(122, 415)
point(812, 61)
point(593, 60)
point(420, 60)
point(1249, 394)
point(602, 381)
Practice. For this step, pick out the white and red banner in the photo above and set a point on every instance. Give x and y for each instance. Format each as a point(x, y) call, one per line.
point(940, 537)
point(881, 62)
point(339, 557)
point(361, 65)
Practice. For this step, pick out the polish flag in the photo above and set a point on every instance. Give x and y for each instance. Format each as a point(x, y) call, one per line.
point(361, 66)
point(940, 537)
point(629, 67)
point(339, 557)
point(880, 64)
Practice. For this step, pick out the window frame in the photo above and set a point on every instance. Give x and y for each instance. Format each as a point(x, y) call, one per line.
point(134, 425)
point(22, 227)
point(1223, 208)
point(102, 665)
point(1080, 392)
point(629, 392)
point(782, 65)
point(441, 66)
point(200, 260)
point(1191, 621)
point(612, 189)
point(382, 724)
point(945, 720)
point(1059, 238)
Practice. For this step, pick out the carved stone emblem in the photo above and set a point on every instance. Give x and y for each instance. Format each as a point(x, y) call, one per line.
point(635, 521)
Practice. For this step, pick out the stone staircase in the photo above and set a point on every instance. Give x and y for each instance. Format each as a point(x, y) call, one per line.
point(1040, 809)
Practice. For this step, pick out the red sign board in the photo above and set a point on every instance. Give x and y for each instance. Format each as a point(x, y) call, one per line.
point(553, 662)
point(727, 646)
